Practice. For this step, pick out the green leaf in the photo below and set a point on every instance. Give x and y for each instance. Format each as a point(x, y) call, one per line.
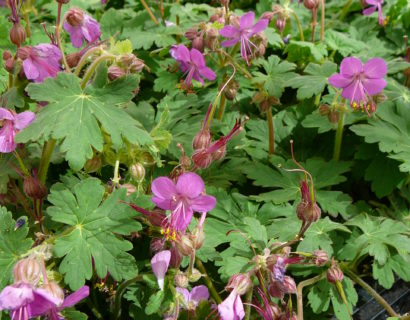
point(256, 231)
point(154, 302)
point(314, 82)
point(278, 72)
point(319, 297)
point(75, 116)
point(13, 244)
point(95, 226)
point(340, 309)
point(343, 43)
point(300, 50)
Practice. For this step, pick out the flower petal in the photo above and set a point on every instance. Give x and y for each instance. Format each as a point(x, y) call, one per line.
point(159, 264)
point(350, 66)
point(259, 26)
point(338, 81)
point(181, 217)
point(197, 58)
point(198, 294)
point(203, 203)
point(375, 68)
point(246, 20)
point(374, 2)
point(7, 134)
point(354, 92)
point(230, 43)
point(183, 53)
point(23, 119)
point(6, 114)
point(207, 73)
point(163, 188)
point(43, 302)
point(14, 296)
point(30, 69)
point(229, 32)
point(75, 297)
point(374, 86)
point(238, 307)
point(185, 293)
point(190, 185)
point(368, 11)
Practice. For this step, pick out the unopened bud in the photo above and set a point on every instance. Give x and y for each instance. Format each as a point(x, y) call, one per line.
point(185, 245)
point(73, 59)
point(130, 188)
point(231, 90)
point(17, 34)
point(54, 289)
point(33, 188)
point(241, 282)
point(334, 274)
point(137, 172)
point(324, 109)
point(198, 43)
point(311, 4)
point(27, 270)
point(115, 72)
point(157, 245)
point(93, 165)
point(274, 310)
point(202, 159)
point(280, 24)
point(212, 33)
point(268, 16)
point(308, 211)
point(213, 18)
point(181, 280)
point(261, 50)
point(24, 53)
point(195, 275)
point(333, 116)
point(197, 237)
point(320, 257)
point(63, 1)
point(7, 55)
point(289, 284)
point(202, 140)
point(9, 65)
point(75, 17)
point(219, 154)
point(380, 98)
point(191, 34)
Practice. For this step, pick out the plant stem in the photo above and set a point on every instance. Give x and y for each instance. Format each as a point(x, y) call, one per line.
point(302, 37)
point(27, 20)
point(339, 137)
point(58, 27)
point(10, 81)
point(120, 291)
point(345, 10)
point(21, 163)
point(91, 69)
point(94, 310)
point(322, 21)
point(45, 159)
point(314, 23)
point(149, 12)
point(269, 117)
point(299, 292)
point(84, 58)
point(248, 299)
point(208, 281)
point(371, 291)
point(222, 105)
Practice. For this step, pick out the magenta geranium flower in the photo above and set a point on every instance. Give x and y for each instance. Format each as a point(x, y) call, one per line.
point(242, 33)
point(193, 298)
point(159, 264)
point(81, 27)
point(12, 123)
point(182, 199)
point(232, 307)
point(192, 63)
point(360, 82)
point(41, 61)
point(375, 5)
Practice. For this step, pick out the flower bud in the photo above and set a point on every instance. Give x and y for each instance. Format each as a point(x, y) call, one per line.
point(320, 257)
point(24, 53)
point(7, 55)
point(181, 280)
point(17, 34)
point(268, 15)
point(274, 310)
point(33, 188)
point(63, 1)
point(197, 237)
point(191, 34)
point(241, 282)
point(289, 284)
point(202, 140)
point(212, 33)
point(73, 59)
point(275, 289)
point(333, 116)
point(308, 212)
point(130, 188)
point(202, 159)
point(231, 89)
point(185, 245)
point(334, 274)
point(195, 275)
point(93, 165)
point(9, 65)
point(280, 24)
point(27, 270)
point(137, 172)
point(176, 257)
point(213, 18)
point(198, 43)
point(115, 72)
point(54, 289)
point(311, 4)
point(324, 109)
point(157, 245)
point(219, 154)
point(75, 17)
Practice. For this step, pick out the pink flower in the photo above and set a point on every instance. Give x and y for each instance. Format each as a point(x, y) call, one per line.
point(232, 307)
point(12, 123)
point(182, 199)
point(192, 63)
point(375, 5)
point(193, 298)
point(242, 33)
point(159, 264)
point(81, 27)
point(360, 82)
point(41, 61)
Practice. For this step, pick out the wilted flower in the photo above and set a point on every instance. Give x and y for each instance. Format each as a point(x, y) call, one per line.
point(375, 5)
point(41, 61)
point(232, 307)
point(192, 63)
point(81, 27)
point(12, 123)
point(359, 82)
point(159, 264)
point(242, 33)
point(182, 199)
point(193, 298)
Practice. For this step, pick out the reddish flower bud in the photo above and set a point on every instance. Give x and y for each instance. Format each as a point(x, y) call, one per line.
point(289, 285)
point(176, 257)
point(202, 139)
point(63, 1)
point(268, 15)
point(17, 34)
point(202, 159)
point(280, 24)
point(181, 280)
point(198, 43)
point(7, 55)
point(185, 245)
point(137, 172)
point(9, 65)
point(219, 154)
point(320, 257)
point(75, 17)
point(333, 116)
point(73, 59)
point(231, 90)
point(157, 245)
point(27, 270)
point(306, 209)
point(311, 4)
point(24, 53)
point(115, 72)
point(191, 34)
point(212, 33)
point(241, 282)
point(334, 274)
point(324, 109)
point(33, 188)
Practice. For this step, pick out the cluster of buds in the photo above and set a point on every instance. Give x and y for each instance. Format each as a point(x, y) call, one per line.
point(126, 64)
point(264, 101)
point(9, 62)
point(218, 16)
point(331, 113)
point(196, 37)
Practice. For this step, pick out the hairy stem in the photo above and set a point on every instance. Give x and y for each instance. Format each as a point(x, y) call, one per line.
point(322, 20)
point(58, 37)
point(45, 159)
point(222, 105)
point(302, 37)
point(149, 12)
point(21, 164)
point(299, 292)
point(91, 69)
point(208, 281)
point(84, 58)
point(345, 10)
point(314, 23)
point(27, 20)
point(269, 118)
point(339, 137)
point(248, 299)
point(371, 291)
point(119, 293)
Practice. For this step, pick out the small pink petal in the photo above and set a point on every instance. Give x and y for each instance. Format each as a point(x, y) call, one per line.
point(350, 67)
point(203, 203)
point(375, 68)
point(374, 86)
point(30, 69)
point(14, 296)
point(159, 264)
point(75, 297)
point(163, 188)
point(368, 11)
point(246, 20)
point(183, 53)
point(230, 43)
point(207, 73)
point(197, 58)
point(198, 294)
point(339, 81)
point(190, 184)
point(181, 217)
point(6, 114)
point(23, 119)
point(229, 32)
point(259, 26)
